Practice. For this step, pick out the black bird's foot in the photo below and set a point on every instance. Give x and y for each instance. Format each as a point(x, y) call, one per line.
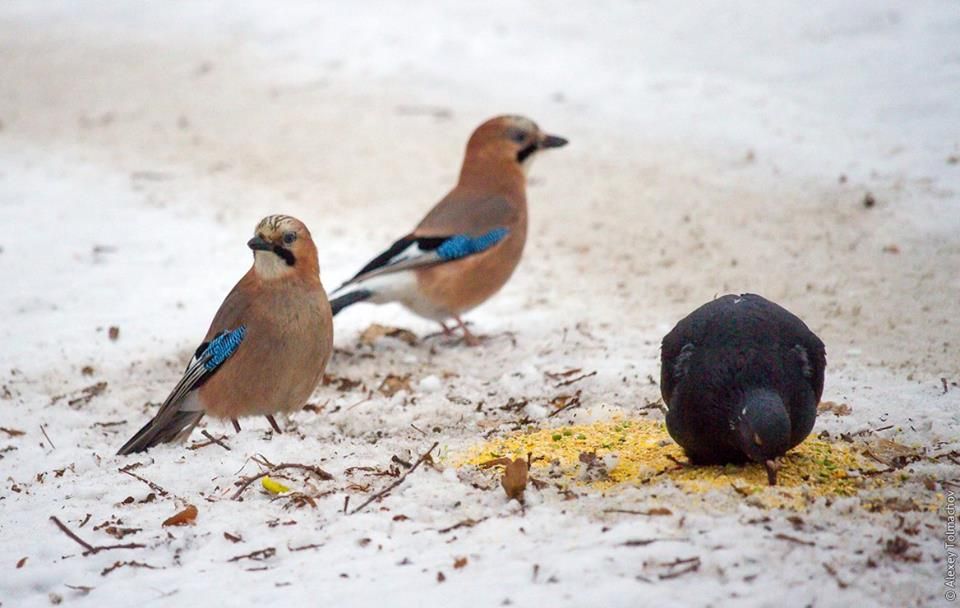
point(273, 423)
point(236, 425)
point(772, 467)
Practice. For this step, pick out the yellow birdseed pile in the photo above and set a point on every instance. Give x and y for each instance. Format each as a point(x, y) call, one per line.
point(638, 451)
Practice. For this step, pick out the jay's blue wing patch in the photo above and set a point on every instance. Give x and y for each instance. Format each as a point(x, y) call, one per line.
point(170, 421)
point(461, 245)
point(415, 252)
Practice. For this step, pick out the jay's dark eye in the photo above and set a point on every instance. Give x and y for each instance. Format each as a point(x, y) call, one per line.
point(518, 136)
point(289, 237)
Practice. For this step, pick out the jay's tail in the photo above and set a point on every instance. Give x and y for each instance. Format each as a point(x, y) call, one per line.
point(155, 432)
point(352, 297)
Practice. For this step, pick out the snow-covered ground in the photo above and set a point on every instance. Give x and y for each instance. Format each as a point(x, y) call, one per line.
point(716, 146)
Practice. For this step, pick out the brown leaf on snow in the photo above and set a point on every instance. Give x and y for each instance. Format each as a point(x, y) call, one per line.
point(377, 331)
point(118, 532)
point(393, 384)
point(514, 479)
point(891, 453)
point(340, 383)
point(12, 432)
point(899, 548)
point(187, 516)
point(234, 538)
point(564, 374)
point(838, 409)
point(459, 562)
point(21, 562)
point(113, 333)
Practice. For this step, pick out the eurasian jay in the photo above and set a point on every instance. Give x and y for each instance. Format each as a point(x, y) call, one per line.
point(467, 247)
point(741, 378)
point(268, 344)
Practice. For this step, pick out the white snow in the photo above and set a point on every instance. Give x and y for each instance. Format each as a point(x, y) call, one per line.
point(140, 144)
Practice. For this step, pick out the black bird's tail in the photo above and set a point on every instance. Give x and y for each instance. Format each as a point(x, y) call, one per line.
point(156, 432)
point(351, 297)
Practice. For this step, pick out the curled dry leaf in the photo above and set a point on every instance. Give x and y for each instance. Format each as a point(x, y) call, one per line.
point(459, 562)
point(393, 384)
point(377, 331)
point(187, 516)
point(514, 479)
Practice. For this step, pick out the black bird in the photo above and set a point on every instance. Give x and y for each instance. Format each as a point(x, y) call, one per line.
point(741, 377)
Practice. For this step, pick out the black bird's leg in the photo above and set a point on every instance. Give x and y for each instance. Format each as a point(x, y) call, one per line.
point(273, 423)
point(772, 467)
point(236, 425)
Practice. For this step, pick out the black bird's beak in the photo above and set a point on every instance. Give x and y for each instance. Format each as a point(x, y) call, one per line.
point(258, 244)
point(552, 141)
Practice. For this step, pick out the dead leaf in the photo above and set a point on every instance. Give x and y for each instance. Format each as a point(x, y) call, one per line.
point(341, 384)
point(898, 548)
point(234, 538)
point(377, 331)
point(393, 384)
point(21, 562)
point(891, 453)
point(118, 532)
point(113, 333)
point(514, 480)
point(459, 562)
point(12, 432)
point(441, 577)
point(838, 409)
point(563, 374)
point(187, 516)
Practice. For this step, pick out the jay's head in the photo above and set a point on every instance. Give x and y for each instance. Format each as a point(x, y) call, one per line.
point(511, 140)
point(281, 246)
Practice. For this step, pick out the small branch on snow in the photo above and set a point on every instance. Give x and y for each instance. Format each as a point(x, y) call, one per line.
point(156, 488)
point(259, 555)
point(44, 431)
point(389, 488)
point(573, 380)
point(88, 548)
point(286, 465)
point(212, 440)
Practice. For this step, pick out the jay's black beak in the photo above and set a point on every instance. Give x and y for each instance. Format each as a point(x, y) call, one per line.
point(258, 244)
point(552, 141)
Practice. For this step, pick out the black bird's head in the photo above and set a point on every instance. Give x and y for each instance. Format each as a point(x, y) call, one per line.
point(763, 427)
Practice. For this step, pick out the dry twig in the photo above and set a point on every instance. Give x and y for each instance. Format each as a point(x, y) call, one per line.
point(88, 548)
point(274, 468)
point(396, 483)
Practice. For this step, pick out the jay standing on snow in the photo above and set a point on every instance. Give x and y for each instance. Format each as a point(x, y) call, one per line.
point(268, 344)
point(467, 247)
